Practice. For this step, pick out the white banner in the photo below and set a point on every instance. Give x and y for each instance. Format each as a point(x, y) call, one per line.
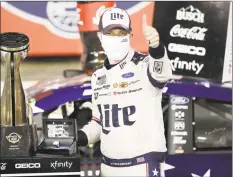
point(227, 67)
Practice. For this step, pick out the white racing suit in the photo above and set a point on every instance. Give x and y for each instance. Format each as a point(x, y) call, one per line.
point(127, 114)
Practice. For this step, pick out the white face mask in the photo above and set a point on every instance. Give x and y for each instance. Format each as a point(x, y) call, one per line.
point(115, 47)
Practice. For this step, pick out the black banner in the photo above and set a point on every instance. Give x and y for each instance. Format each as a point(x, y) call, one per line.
point(195, 36)
point(180, 125)
point(40, 166)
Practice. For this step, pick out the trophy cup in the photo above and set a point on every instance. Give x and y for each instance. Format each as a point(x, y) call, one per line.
point(18, 132)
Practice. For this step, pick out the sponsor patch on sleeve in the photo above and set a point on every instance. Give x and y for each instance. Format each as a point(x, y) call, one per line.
point(158, 65)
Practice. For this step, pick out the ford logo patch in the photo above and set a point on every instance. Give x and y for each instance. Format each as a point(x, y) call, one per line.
point(127, 75)
point(179, 100)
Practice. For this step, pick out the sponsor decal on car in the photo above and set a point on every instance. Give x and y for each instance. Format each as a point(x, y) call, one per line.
point(179, 100)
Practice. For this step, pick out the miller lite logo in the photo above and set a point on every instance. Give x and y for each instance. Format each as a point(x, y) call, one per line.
point(116, 116)
point(116, 16)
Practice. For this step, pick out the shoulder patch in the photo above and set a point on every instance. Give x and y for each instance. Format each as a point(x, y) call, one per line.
point(99, 77)
point(138, 57)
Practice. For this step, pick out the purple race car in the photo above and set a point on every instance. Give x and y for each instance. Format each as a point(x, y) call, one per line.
point(199, 145)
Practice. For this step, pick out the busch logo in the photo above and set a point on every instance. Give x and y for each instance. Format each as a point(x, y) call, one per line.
point(115, 16)
point(190, 14)
point(27, 165)
point(114, 112)
point(194, 33)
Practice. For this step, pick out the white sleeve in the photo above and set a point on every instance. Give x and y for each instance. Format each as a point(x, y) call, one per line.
point(93, 128)
point(159, 69)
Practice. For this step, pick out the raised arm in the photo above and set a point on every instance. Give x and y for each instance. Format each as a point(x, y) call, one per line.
point(159, 69)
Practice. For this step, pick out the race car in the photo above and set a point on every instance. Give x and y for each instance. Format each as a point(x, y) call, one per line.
point(197, 115)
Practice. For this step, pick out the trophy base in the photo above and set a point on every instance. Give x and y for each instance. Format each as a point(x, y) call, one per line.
point(67, 147)
point(60, 137)
point(18, 141)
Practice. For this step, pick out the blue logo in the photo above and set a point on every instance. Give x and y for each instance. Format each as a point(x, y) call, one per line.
point(179, 100)
point(127, 75)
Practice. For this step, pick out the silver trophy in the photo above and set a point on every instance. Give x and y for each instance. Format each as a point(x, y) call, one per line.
point(18, 132)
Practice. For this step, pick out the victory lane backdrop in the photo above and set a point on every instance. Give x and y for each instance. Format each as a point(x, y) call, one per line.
point(195, 36)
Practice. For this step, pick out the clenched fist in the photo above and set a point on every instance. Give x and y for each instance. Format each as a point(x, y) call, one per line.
point(150, 33)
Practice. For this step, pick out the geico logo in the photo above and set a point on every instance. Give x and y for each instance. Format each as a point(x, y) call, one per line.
point(186, 49)
point(184, 65)
point(27, 165)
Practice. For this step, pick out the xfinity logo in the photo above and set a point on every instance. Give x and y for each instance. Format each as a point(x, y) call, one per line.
point(27, 165)
point(185, 65)
point(57, 164)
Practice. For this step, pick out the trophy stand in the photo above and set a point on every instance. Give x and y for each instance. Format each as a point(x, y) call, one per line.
point(19, 142)
point(18, 135)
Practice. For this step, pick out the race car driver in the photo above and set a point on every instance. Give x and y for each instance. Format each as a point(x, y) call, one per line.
point(127, 93)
